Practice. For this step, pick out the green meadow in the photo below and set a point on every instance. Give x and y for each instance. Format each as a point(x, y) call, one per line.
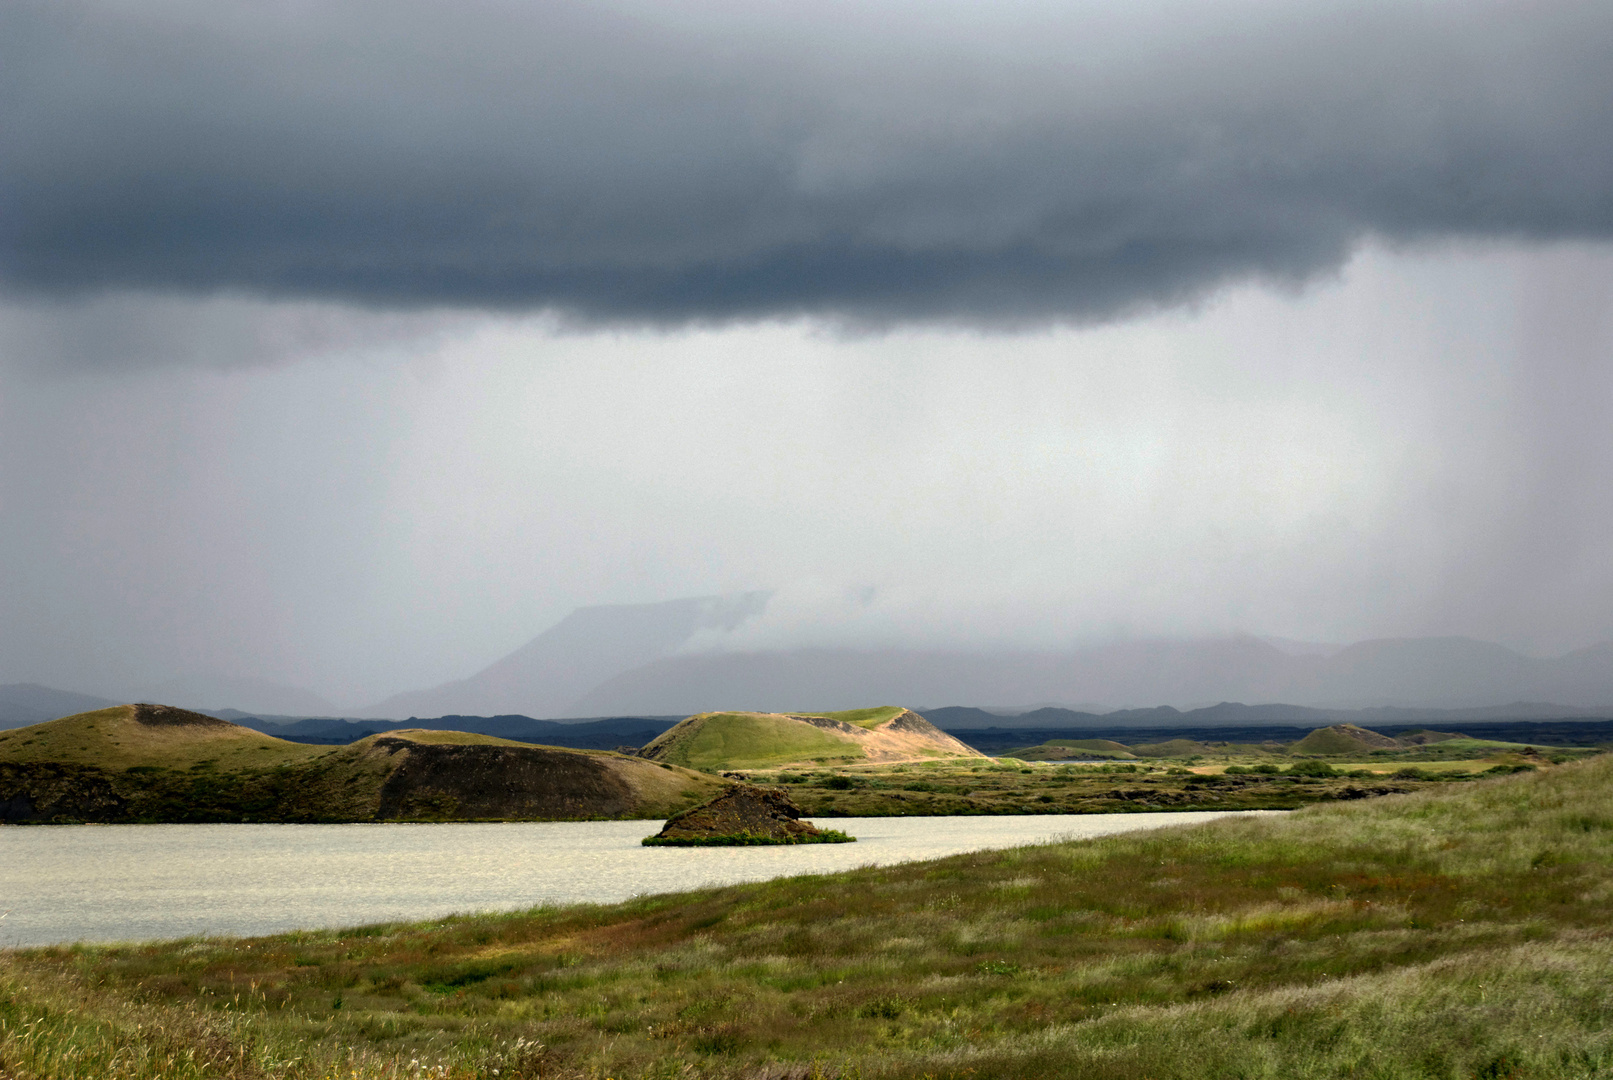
point(1460, 931)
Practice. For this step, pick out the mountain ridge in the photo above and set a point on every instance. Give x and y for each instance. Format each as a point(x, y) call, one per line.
point(1386, 673)
point(543, 676)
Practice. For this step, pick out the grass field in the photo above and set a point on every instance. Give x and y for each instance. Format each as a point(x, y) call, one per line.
point(1011, 786)
point(1465, 931)
point(1340, 744)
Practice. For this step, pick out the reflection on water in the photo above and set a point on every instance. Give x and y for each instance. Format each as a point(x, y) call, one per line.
point(129, 882)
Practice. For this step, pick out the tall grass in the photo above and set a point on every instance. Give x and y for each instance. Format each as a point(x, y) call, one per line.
point(1465, 931)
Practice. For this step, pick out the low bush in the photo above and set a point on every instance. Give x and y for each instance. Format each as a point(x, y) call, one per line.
point(1311, 767)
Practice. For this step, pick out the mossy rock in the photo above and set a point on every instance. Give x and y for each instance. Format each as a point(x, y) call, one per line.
point(744, 815)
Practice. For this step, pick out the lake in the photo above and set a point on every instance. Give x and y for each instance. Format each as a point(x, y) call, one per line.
point(99, 883)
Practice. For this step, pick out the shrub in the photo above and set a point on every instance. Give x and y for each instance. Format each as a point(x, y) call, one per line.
point(1311, 767)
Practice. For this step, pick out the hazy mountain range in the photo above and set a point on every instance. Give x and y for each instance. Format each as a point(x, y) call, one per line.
point(22, 704)
point(624, 660)
point(548, 675)
point(1437, 673)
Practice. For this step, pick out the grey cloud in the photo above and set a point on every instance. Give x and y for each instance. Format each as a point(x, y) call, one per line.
point(873, 162)
point(132, 331)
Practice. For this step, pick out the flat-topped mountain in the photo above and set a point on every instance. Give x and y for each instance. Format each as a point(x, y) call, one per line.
point(155, 763)
point(757, 740)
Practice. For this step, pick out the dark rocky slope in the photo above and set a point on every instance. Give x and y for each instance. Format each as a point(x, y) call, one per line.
point(744, 814)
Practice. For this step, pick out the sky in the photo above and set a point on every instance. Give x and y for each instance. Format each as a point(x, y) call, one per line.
point(351, 345)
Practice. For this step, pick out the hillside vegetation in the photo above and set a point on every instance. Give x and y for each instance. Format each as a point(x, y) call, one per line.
point(1090, 776)
point(751, 740)
point(1340, 742)
point(1463, 932)
point(153, 763)
point(140, 736)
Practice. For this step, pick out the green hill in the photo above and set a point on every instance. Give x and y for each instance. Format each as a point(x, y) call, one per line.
point(751, 740)
point(1171, 748)
point(1343, 739)
point(154, 763)
point(160, 736)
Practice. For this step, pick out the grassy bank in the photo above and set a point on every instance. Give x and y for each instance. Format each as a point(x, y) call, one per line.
point(1462, 931)
point(1008, 786)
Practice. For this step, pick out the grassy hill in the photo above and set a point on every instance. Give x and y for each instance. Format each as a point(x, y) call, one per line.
point(751, 740)
point(128, 736)
point(1344, 739)
point(1463, 932)
point(153, 763)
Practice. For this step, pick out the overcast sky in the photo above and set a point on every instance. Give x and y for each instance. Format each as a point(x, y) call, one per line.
point(351, 345)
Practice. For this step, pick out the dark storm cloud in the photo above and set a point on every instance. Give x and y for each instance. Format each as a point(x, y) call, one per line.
point(668, 162)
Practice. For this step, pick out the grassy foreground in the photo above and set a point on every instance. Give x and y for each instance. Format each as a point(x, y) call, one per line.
point(1465, 931)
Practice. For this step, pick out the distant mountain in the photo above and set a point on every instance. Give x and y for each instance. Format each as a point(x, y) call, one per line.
point(546, 676)
point(1407, 674)
point(22, 704)
point(955, 718)
point(808, 680)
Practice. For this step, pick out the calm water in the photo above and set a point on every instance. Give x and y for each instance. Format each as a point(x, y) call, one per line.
point(130, 882)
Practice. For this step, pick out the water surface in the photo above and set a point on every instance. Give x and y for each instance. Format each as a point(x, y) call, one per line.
point(132, 882)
